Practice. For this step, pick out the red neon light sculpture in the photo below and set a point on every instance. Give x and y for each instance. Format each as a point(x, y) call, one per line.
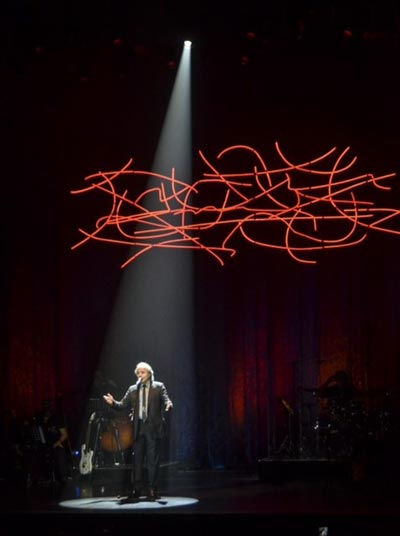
point(297, 208)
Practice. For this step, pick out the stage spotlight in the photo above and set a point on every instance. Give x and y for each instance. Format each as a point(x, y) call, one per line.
point(187, 44)
point(153, 316)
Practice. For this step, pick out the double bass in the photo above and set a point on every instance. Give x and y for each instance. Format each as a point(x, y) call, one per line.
point(117, 436)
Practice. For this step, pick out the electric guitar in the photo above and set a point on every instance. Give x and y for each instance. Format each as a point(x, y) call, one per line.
point(86, 461)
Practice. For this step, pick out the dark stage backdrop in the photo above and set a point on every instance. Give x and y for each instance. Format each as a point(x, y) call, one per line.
point(268, 329)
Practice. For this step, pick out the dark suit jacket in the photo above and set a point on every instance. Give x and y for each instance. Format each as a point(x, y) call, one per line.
point(158, 398)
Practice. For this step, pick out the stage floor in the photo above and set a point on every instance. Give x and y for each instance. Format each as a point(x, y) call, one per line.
point(194, 500)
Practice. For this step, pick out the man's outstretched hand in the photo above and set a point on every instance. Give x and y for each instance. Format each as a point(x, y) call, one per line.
point(109, 399)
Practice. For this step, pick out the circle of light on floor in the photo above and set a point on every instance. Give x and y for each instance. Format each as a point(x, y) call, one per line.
point(114, 503)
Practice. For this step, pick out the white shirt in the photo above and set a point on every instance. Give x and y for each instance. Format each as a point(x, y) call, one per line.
point(143, 387)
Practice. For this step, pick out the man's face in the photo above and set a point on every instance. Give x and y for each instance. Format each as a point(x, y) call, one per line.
point(143, 374)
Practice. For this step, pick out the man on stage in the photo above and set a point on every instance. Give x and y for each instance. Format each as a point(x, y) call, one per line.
point(147, 399)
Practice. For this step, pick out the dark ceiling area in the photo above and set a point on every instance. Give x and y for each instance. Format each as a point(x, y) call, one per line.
point(257, 27)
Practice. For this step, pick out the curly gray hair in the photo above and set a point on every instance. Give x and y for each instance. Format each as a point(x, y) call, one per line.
point(146, 366)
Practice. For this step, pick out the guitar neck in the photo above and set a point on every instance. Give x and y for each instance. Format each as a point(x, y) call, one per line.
point(89, 428)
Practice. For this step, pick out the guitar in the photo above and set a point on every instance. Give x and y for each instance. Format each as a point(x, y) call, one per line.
point(86, 461)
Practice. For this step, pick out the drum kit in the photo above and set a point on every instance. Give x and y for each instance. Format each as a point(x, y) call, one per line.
point(331, 423)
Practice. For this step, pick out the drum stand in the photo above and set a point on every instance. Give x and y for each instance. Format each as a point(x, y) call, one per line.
point(115, 432)
point(287, 447)
point(316, 428)
point(98, 460)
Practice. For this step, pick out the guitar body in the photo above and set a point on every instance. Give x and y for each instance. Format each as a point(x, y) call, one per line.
point(86, 462)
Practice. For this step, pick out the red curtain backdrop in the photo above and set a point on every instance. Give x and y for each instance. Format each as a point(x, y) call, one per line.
point(267, 328)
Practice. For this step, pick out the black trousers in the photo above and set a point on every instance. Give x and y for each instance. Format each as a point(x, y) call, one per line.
point(146, 458)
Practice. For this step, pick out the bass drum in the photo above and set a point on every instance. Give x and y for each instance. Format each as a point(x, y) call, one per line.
point(117, 436)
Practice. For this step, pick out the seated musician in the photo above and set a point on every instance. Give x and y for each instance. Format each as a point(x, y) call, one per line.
point(51, 459)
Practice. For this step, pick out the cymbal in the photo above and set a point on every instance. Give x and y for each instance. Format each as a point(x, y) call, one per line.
point(337, 392)
point(315, 391)
point(327, 392)
point(368, 394)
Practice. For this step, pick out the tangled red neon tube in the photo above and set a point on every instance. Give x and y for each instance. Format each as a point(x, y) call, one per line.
point(298, 208)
